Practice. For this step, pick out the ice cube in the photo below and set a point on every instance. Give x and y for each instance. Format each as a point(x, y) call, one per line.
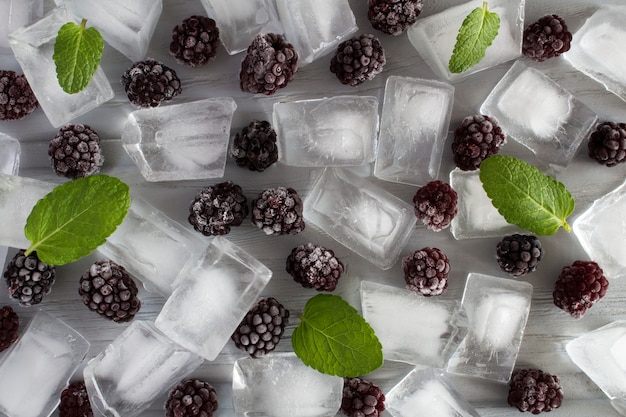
point(9, 164)
point(15, 14)
point(181, 141)
point(335, 131)
point(414, 126)
point(281, 385)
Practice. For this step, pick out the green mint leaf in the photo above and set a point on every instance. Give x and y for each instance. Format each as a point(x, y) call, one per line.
point(524, 196)
point(76, 217)
point(77, 54)
point(334, 339)
point(477, 32)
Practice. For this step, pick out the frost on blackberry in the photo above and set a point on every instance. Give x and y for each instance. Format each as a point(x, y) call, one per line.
point(435, 205)
point(191, 397)
point(358, 59)
point(195, 41)
point(477, 138)
point(361, 398)
point(519, 254)
point(218, 207)
point(314, 266)
point(149, 83)
point(426, 271)
point(254, 146)
point(75, 151)
point(262, 327)
point(9, 326)
point(535, 391)
point(29, 279)
point(17, 100)
point(75, 401)
point(579, 287)
point(278, 211)
point(607, 143)
point(393, 17)
point(546, 38)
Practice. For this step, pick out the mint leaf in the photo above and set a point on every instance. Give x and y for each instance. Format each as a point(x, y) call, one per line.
point(524, 196)
point(77, 54)
point(477, 32)
point(76, 217)
point(334, 339)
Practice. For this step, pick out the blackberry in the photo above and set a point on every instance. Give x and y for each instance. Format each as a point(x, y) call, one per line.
point(546, 38)
point(579, 287)
point(75, 151)
point(191, 397)
point(29, 279)
point(519, 254)
point(270, 63)
point(261, 329)
point(393, 17)
point(75, 401)
point(254, 146)
point(358, 59)
point(278, 211)
point(477, 138)
point(426, 271)
point(218, 207)
point(314, 266)
point(535, 391)
point(607, 143)
point(148, 83)
point(435, 205)
point(361, 398)
point(107, 289)
point(9, 325)
point(17, 100)
point(195, 41)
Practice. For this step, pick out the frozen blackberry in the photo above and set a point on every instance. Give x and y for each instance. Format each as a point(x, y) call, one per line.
point(426, 271)
point(190, 398)
point(75, 401)
point(579, 287)
point(393, 17)
point(148, 83)
point(361, 398)
point(218, 207)
point(195, 41)
point(75, 151)
point(107, 289)
point(314, 266)
point(254, 146)
point(535, 391)
point(519, 254)
point(546, 38)
point(17, 100)
point(435, 205)
point(477, 138)
point(607, 143)
point(278, 211)
point(9, 325)
point(358, 59)
point(270, 63)
point(29, 279)
point(261, 329)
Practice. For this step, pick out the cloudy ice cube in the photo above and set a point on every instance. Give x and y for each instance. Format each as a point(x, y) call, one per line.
point(15, 14)
point(9, 164)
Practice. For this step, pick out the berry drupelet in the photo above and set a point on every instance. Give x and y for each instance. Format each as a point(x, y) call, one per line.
point(579, 287)
point(435, 205)
point(28, 278)
point(393, 17)
point(75, 151)
point(546, 38)
point(358, 59)
point(75, 401)
point(218, 207)
point(254, 146)
point(426, 271)
point(535, 391)
point(17, 100)
point(607, 143)
point(477, 138)
point(149, 83)
point(262, 327)
point(278, 211)
point(314, 266)
point(190, 398)
point(195, 41)
point(519, 254)
point(361, 398)
point(9, 326)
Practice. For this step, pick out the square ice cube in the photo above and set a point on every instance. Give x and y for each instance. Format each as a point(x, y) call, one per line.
point(366, 219)
point(414, 127)
point(33, 47)
point(434, 36)
point(138, 366)
point(186, 141)
point(315, 27)
point(211, 296)
point(281, 385)
point(15, 14)
point(9, 164)
point(536, 112)
point(427, 392)
point(497, 310)
point(126, 25)
point(435, 330)
point(597, 49)
point(239, 21)
point(334, 131)
point(44, 358)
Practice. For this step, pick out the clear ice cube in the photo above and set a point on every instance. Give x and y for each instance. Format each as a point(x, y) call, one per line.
point(552, 124)
point(186, 141)
point(9, 164)
point(211, 296)
point(33, 47)
point(435, 330)
point(497, 310)
point(366, 219)
point(414, 126)
point(335, 131)
point(281, 385)
point(15, 14)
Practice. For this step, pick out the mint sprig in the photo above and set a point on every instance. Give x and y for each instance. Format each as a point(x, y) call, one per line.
point(524, 196)
point(334, 339)
point(76, 217)
point(477, 32)
point(77, 54)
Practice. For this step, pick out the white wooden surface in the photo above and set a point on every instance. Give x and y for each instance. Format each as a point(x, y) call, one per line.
point(548, 329)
